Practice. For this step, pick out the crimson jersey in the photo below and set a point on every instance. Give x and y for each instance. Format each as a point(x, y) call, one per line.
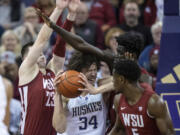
point(135, 118)
point(37, 99)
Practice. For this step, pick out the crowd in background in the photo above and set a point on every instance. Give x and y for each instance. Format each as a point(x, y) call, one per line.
point(98, 22)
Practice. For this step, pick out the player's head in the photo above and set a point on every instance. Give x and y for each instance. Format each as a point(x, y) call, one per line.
point(25, 50)
point(125, 73)
point(85, 63)
point(132, 42)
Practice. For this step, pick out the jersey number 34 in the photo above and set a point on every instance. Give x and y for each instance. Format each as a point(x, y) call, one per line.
point(91, 122)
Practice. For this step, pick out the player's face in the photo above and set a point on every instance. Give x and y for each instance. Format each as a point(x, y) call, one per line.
point(90, 73)
point(41, 61)
point(118, 82)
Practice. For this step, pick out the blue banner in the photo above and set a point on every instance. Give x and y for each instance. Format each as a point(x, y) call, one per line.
point(168, 81)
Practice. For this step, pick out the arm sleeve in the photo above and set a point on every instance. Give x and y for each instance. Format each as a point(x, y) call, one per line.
point(59, 48)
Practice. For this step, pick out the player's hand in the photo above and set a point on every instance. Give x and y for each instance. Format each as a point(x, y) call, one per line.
point(57, 79)
point(73, 5)
point(87, 86)
point(44, 17)
point(62, 4)
point(129, 56)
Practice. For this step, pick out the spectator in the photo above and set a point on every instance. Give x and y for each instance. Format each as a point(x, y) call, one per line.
point(29, 29)
point(88, 29)
point(147, 11)
point(156, 30)
point(131, 14)
point(10, 42)
point(102, 12)
point(110, 38)
point(154, 60)
point(160, 10)
point(11, 13)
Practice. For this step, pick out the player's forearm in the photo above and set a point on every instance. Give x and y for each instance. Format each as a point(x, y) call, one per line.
point(45, 31)
point(104, 88)
point(77, 42)
point(59, 117)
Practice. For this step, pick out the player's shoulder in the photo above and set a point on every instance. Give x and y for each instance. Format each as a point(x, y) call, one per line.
point(156, 105)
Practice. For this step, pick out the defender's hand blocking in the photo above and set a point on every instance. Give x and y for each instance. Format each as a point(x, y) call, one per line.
point(87, 86)
point(44, 17)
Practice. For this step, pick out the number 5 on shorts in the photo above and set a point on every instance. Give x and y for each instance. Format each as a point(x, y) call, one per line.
point(92, 121)
point(134, 131)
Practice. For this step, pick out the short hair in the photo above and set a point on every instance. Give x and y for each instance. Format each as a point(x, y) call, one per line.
point(127, 68)
point(125, 2)
point(79, 60)
point(25, 48)
point(132, 42)
point(156, 25)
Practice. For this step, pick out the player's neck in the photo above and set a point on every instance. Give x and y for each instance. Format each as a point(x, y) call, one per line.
point(133, 94)
point(43, 70)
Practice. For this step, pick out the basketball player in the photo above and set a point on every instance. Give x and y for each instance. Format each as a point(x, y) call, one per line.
point(85, 114)
point(140, 111)
point(6, 93)
point(36, 79)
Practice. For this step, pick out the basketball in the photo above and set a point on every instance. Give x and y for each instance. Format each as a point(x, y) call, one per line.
point(69, 84)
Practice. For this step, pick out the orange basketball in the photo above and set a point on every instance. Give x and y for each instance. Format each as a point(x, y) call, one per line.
point(69, 84)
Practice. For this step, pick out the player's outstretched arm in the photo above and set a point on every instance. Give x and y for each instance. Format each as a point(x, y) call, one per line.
point(76, 41)
point(118, 128)
point(29, 64)
point(59, 116)
point(157, 108)
point(91, 89)
point(59, 48)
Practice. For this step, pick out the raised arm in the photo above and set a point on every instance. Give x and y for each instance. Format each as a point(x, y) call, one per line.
point(157, 109)
point(76, 41)
point(29, 63)
point(59, 48)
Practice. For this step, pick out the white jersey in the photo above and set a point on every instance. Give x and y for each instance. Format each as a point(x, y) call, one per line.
point(86, 116)
point(3, 99)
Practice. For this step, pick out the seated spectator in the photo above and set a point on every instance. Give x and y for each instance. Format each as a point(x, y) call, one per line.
point(102, 13)
point(156, 30)
point(147, 11)
point(87, 28)
point(47, 7)
point(11, 13)
point(29, 29)
point(154, 60)
point(131, 14)
point(10, 42)
point(110, 38)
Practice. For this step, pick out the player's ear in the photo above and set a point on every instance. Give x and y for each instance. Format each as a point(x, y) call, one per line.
point(122, 80)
